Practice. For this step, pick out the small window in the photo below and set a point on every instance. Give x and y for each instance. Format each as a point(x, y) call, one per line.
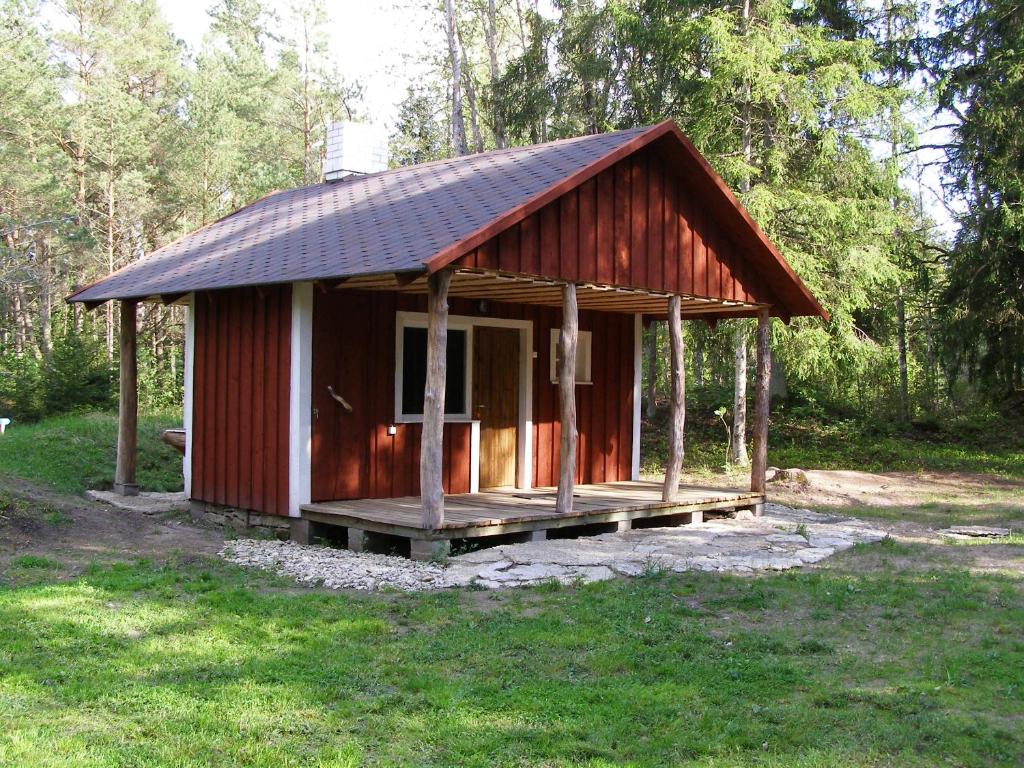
point(412, 373)
point(583, 347)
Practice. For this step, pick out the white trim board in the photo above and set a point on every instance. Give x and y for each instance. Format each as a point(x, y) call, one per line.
point(300, 399)
point(189, 394)
point(638, 372)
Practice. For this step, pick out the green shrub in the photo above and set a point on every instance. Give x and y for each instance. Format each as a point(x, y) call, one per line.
point(77, 376)
point(20, 387)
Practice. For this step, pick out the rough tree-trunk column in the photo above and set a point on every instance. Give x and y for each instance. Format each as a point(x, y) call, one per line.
point(567, 400)
point(431, 452)
point(678, 413)
point(761, 401)
point(128, 404)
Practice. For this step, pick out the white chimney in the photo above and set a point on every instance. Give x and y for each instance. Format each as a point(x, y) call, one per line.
point(355, 149)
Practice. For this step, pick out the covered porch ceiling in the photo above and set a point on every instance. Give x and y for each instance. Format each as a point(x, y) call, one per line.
point(528, 289)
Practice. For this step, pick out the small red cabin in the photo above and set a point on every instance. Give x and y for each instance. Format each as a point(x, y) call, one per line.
point(385, 352)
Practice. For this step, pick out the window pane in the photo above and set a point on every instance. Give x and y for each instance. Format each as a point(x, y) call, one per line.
point(584, 344)
point(455, 373)
point(414, 371)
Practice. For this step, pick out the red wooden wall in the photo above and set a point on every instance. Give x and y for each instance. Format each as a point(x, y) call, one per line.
point(354, 351)
point(635, 224)
point(240, 406)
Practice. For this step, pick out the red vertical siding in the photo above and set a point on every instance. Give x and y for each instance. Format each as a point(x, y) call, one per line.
point(241, 389)
point(634, 224)
point(354, 351)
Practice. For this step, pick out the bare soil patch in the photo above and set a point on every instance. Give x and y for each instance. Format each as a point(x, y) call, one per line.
point(75, 532)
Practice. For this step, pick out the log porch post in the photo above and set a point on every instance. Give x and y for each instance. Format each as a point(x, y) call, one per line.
point(567, 400)
point(759, 462)
point(678, 414)
point(128, 404)
point(431, 450)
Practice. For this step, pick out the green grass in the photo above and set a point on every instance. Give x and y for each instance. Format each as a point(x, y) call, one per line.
point(798, 440)
point(35, 561)
point(994, 506)
point(76, 452)
point(201, 664)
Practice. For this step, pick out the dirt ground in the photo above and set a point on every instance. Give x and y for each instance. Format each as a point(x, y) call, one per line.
point(914, 507)
point(75, 532)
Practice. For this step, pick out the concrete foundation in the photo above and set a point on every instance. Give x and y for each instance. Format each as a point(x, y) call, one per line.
point(245, 520)
point(423, 549)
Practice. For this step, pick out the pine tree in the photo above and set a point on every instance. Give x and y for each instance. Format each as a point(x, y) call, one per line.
point(979, 60)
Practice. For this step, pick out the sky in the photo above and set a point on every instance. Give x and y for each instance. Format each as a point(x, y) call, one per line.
point(372, 41)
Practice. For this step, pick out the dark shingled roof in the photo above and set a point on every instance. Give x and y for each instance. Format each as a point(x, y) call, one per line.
point(392, 221)
point(423, 217)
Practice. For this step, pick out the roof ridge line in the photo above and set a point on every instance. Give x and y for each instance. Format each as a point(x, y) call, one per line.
point(459, 158)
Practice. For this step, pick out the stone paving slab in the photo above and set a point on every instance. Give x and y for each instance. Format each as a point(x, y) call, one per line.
point(147, 502)
point(783, 538)
point(974, 532)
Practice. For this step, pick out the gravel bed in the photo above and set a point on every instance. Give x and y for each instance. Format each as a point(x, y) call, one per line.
point(783, 538)
point(336, 568)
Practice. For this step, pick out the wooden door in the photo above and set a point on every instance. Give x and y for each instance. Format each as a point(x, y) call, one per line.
point(496, 402)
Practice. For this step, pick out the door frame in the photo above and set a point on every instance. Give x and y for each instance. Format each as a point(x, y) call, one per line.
point(507, 334)
point(524, 428)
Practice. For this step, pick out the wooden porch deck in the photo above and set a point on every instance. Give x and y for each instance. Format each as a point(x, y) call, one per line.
point(512, 511)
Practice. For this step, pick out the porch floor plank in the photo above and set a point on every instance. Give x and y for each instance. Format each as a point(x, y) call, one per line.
point(509, 510)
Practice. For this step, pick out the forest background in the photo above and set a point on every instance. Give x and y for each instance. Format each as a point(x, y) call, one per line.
point(879, 144)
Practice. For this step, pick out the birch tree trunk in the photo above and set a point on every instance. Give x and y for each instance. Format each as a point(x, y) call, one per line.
point(739, 399)
point(454, 60)
point(474, 112)
point(491, 35)
point(901, 346)
point(674, 468)
point(739, 402)
point(652, 371)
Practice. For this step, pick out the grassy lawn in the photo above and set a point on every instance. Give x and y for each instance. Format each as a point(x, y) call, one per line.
point(999, 508)
point(200, 664)
point(77, 452)
point(796, 440)
point(891, 654)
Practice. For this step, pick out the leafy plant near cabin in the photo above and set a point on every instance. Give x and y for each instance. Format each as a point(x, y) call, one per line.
point(720, 413)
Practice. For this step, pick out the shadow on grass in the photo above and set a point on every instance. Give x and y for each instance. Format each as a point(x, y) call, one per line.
point(209, 665)
point(934, 514)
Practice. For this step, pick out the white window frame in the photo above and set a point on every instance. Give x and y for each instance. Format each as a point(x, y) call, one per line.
point(419, 320)
point(584, 357)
